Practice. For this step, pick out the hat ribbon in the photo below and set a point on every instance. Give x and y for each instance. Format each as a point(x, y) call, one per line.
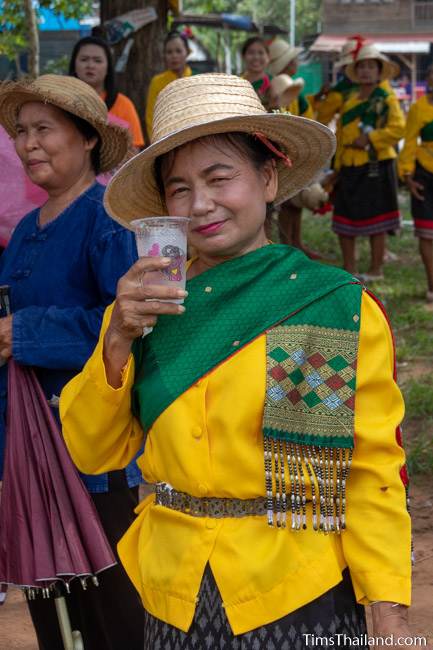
point(286, 160)
point(360, 41)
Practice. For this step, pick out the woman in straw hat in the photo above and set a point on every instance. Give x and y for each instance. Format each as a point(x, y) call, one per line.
point(246, 397)
point(329, 101)
point(372, 123)
point(416, 169)
point(62, 265)
point(283, 63)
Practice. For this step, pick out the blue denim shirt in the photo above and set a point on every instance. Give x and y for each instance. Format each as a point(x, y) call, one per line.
point(61, 277)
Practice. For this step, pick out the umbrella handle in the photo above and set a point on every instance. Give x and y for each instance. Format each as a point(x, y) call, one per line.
point(72, 640)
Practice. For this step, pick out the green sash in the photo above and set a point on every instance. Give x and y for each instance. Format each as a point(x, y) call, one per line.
point(370, 111)
point(310, 313)
point(427, 132)
point(303, 104)
point(345, 87)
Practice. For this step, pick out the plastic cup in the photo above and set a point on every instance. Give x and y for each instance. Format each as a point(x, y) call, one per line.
point(164, 237)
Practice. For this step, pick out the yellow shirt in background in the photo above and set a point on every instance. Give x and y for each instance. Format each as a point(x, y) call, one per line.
point(157, 83)
point(301, 107)
point(384, 139)
point(209, 442)
point(420, 114)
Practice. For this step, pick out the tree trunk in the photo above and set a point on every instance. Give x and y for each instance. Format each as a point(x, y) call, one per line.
point(33, 38)
point(146, 56)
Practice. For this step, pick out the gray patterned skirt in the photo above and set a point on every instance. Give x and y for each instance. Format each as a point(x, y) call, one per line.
point(335, 612)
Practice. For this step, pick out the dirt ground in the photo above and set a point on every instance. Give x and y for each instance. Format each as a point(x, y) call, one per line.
point(16, 631)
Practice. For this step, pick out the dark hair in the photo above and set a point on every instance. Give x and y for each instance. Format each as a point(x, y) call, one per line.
point(109, 82)
point(250, 41)
point(88, 132)
point(171, 36)
point(244, 144)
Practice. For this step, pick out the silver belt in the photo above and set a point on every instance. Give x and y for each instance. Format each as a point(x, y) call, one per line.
point(216, 507)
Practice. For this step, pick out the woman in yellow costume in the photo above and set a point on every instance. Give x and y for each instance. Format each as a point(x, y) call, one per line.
point(371, 125)
point(416, 168)
point(267, 402)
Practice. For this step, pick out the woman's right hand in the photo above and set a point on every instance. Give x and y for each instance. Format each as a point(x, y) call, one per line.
point(137, 306)
point(415, 188)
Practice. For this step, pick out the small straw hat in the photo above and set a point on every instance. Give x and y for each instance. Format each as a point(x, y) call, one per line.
point(285, 88)
point(280, 55)
point(390, 70)
point(208, 104)
point(349, 51)
point(71, 95)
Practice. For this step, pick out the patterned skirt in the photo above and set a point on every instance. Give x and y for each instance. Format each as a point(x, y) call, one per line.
point(422, 211)
point(366, 204)
point(334, 613)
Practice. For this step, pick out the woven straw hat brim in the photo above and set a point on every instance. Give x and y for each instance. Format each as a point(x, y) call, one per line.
point(132, 193)
point(390, 70)
point(276, 66)
point(115, 140)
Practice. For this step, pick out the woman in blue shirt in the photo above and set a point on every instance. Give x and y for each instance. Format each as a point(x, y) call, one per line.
point(62, 265)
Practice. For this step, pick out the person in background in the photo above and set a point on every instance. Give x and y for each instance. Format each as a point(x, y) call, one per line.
point(284, 60)
point(272, 521)
point(62, 265)
point(329, 101)
point(176, 51)
point(255, 58)
point(92, 62)
point(415, 167)
point(372, 124)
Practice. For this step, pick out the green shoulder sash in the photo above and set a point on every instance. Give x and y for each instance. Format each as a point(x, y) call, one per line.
point(370, 111)
point(427, 132)
point(310, 314)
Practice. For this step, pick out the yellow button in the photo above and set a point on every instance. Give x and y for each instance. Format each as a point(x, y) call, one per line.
point(197, 432)
point(211, 524)
point(202, 489)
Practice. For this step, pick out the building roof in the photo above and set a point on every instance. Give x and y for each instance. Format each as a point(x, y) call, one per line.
point(409, 43)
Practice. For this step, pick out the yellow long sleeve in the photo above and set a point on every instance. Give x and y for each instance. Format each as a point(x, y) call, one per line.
point(420, 114)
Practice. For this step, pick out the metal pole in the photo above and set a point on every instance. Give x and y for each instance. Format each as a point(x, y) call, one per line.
point(292, 23)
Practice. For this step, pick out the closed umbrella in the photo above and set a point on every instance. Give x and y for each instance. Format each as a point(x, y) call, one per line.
point(49, 528)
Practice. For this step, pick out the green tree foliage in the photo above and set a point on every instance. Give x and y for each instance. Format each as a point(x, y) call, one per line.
point(276, 12)
point(13, 26)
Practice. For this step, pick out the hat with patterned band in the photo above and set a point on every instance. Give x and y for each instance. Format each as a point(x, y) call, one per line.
point(71, 95)
point(208, 104)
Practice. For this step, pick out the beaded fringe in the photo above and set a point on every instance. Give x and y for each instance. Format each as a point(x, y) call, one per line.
point(287, 466)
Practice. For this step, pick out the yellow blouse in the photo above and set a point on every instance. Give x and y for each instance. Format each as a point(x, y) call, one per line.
point(383, 139)
point(294, 109)
point(157, 83)
point(420, 114)
point(209, 442)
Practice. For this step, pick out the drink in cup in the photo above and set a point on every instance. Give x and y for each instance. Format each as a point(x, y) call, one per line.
point(164, 237)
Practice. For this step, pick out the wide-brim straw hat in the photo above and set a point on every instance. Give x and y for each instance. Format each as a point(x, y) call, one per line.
point(286, 88)
point(390, 70)
point(71, 95)
point(209, 104)
point(280, 55)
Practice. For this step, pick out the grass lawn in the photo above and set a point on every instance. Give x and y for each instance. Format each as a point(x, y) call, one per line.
point(403, 294)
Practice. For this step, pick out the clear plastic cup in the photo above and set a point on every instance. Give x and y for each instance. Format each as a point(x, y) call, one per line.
point(164, 237)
